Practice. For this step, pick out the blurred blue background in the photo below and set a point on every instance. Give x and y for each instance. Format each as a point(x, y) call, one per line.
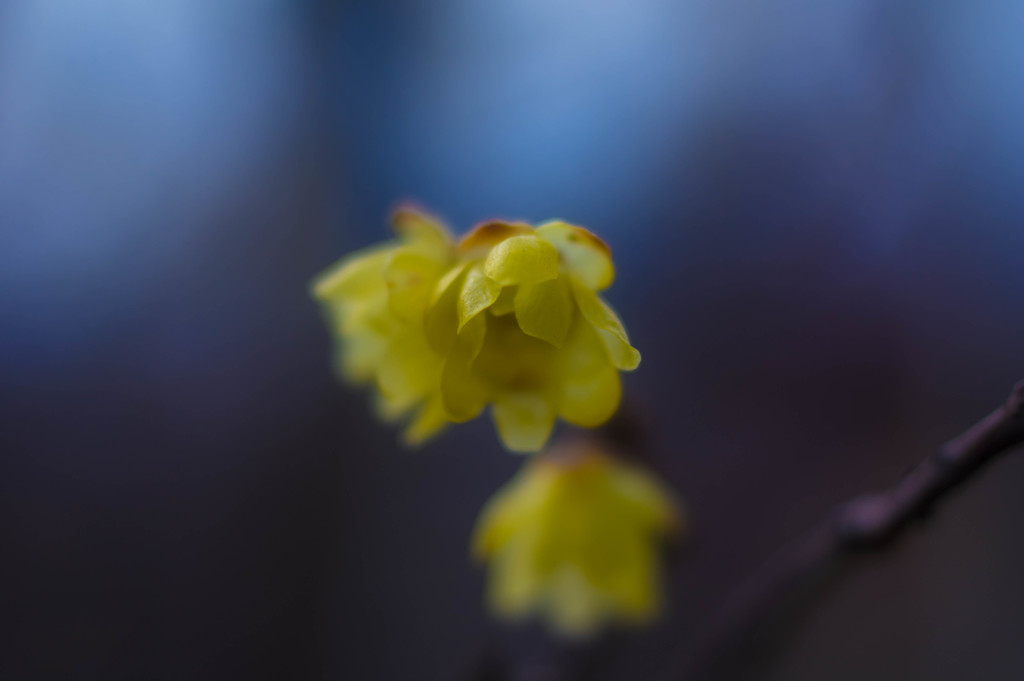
point(817, 218)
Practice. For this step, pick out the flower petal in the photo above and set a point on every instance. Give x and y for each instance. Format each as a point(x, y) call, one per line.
point(429, 421)
point(574, 608)
point(478, 293)
point(463, 393)
point(649, 502)
point(510, 509)
point(624, 356)
point(584, 253)
point(357, 356)
point(410, 276)
point(516, 587)
point(442, 318)
point(418, 226)
point(354, 275)
point(408, 371)
point(386, 410)
point(486, 235)
point(505, 304)
point(524, 420)
point(632, 586)
point(589, 386)
point(524, 259)
point(545, 310)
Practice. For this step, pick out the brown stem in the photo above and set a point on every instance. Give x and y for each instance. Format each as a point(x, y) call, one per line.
point(867, 523)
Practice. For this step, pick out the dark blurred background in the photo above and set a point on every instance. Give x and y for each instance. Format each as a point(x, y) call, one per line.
point(818, 221)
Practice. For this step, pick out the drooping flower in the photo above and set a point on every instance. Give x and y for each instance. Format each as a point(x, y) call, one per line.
point(376, 302)
point(510, 317)
point(574, 539)
point(522, 326)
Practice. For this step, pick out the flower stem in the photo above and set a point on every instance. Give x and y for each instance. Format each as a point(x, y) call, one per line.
point(868, 523)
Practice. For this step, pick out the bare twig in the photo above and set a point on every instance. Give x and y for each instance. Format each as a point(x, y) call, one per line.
point(866, 523)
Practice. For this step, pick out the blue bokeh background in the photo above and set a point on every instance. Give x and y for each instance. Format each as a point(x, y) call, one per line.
point(819, 228)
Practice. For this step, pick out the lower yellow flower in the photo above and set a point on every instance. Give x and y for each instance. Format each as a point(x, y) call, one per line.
point(574, 540)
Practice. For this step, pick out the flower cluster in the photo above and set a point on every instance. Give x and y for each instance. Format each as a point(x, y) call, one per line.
point(510, 316)
point(574, 538)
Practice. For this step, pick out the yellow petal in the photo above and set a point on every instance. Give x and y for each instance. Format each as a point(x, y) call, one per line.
point(361, 327)
point(365, 315)
point(648, 501)
point(584, 253)
point(494, 527)
point(574, 608)
point(420, 227)
point(515, 586)
point(408, 371)
point(463, 393)
point(545, 310)
point(410, 276)
point(613, 334)
point(633, 585)
point(478, 293)
point(442, 319)
point(524, 421)
point(354, 275)
point(508, 511)
point(357, 357)
point(486, 235)
point(505, 304)
point(429, 421)
point(590, 388)
point(524, 259)
point(386, 410)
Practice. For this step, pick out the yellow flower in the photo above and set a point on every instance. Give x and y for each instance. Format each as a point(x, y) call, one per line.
point(510, 317)
point(376, 301)
point(573, 539)
point(521, 325)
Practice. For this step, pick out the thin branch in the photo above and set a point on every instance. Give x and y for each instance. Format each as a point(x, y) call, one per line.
point(867, 523)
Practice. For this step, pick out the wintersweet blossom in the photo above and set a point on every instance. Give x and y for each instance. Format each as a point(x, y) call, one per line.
point(574, 539)
point(509, 317)
point(526, 331)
